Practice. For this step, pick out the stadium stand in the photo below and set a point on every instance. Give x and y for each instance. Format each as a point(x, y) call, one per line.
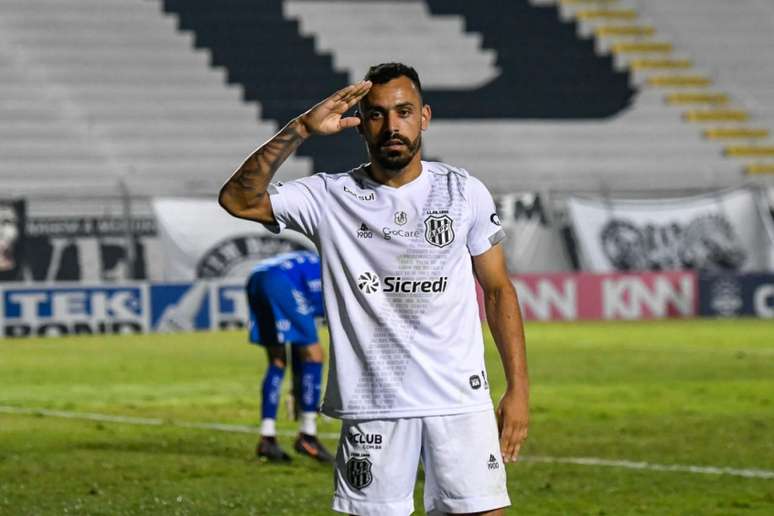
point(539, 95)
point(98, 92)
point(711, 57)
point(454, 59)
point(739, 57)
point(507, 131)
point(526, 87)
point(264, 52)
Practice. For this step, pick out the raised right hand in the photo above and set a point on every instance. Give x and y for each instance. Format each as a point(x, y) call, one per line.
point(327, 117)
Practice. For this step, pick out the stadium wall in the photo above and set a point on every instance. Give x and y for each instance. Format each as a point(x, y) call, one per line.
point(141, 307)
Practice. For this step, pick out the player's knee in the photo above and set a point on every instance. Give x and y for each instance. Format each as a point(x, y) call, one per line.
point(277, 356)
point(278, 362)
point(312, 353)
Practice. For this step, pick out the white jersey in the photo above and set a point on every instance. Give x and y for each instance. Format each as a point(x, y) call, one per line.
point(398, 287)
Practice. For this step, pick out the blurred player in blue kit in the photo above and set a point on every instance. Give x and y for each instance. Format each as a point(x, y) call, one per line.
point(284, 298)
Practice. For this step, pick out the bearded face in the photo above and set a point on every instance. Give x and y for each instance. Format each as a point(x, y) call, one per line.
point(392, 120)
point(394, 151)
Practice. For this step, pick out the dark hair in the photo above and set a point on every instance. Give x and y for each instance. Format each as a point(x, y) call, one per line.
point(385, 72)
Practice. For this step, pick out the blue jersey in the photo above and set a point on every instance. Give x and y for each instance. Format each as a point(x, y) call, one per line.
point(284, 295)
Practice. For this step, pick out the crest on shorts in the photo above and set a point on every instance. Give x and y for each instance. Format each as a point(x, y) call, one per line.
point(359, 473)
point(439, 230)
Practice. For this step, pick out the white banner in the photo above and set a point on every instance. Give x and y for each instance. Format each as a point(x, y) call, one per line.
point(534, 244)
point(728, 230)
point(200, 240)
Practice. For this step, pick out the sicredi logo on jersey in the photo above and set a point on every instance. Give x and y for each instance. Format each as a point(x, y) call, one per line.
point(369, 283)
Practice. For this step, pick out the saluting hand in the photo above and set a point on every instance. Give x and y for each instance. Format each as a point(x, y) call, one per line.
point(327, 117)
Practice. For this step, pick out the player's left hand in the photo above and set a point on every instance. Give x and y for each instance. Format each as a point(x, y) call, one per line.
point(512, 422)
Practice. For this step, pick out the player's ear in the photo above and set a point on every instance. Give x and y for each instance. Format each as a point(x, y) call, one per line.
point(427, 114)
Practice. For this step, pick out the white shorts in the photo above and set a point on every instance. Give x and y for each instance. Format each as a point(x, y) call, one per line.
point(376, 465)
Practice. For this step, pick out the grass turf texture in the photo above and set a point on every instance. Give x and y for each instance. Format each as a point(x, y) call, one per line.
point(677, 392)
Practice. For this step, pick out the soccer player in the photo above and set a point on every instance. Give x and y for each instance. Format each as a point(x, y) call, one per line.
point(284, 297)
point(401, 241)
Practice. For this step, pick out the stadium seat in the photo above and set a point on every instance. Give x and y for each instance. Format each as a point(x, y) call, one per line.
point(108, 92)
point(729, 42)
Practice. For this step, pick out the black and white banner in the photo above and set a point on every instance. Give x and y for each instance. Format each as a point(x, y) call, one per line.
point(200, 240)
point(726, 231)
point(12, 239)
point(534, 243)
point(90, 249)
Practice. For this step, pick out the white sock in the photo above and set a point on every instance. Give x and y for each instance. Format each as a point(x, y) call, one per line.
point(268, 428)
point(308, 423)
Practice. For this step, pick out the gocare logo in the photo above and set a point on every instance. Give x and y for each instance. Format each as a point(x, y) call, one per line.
point(369, 283)
point(389, 233)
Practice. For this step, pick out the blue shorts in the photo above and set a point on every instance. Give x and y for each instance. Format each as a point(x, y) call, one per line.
point(279, 314)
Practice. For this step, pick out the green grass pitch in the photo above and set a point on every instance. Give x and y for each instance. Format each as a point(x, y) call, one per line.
point(697, 393)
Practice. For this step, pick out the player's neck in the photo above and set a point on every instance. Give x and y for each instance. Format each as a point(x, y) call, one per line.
point(396, 178)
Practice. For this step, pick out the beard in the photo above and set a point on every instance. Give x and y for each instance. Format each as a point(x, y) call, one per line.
point(394, 160)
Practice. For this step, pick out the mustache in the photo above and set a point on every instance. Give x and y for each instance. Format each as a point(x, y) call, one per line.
point(383, 140)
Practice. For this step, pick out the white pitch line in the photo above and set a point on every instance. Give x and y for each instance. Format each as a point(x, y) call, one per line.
point(246, 429)
point(707, 470)
point(145, 421)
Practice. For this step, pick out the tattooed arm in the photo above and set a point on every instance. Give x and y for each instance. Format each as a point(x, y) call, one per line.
point(245, 194)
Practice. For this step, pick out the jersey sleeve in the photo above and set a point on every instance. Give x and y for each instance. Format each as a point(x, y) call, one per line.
point(298, 205)
point(485, 229)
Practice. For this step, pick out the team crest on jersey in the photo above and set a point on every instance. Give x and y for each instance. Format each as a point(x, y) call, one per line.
point(439, 230)
point(401, 218)
point(359, 473)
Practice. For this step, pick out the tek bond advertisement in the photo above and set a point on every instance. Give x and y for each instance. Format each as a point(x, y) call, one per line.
point(120, 309)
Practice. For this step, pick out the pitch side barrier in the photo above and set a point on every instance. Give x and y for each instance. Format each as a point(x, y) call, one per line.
point(29, 310)
point(730, 295)
point(642, 296)
point(140, 307)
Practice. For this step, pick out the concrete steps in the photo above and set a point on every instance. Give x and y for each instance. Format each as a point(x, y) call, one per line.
point(108, 89)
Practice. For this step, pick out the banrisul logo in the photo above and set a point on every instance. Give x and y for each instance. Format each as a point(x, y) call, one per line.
point(369, 283)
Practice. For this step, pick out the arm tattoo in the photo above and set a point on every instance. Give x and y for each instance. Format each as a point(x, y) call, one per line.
point(256, 172)
point(250, 182)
